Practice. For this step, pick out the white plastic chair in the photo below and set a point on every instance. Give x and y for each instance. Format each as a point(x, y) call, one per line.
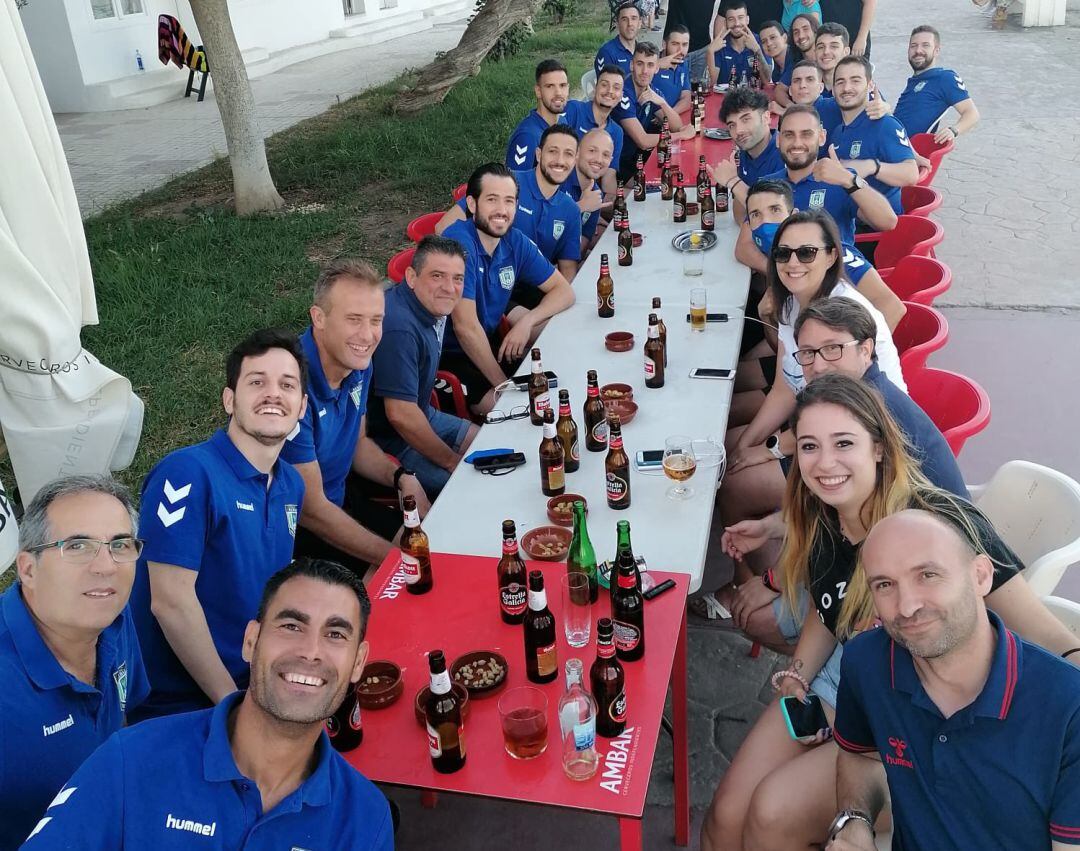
point(1036, 511)
point(1065, 611)
point(588, 83)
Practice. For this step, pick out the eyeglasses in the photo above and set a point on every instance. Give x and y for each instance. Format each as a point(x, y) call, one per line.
point(831, 352)
point(518, 413)
point(85, 550)
point(805, 253)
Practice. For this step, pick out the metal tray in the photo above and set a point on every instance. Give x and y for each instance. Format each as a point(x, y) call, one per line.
point(681, 241)
point(721, 134)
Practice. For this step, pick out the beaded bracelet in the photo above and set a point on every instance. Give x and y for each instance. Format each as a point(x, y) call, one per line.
point(795, 675)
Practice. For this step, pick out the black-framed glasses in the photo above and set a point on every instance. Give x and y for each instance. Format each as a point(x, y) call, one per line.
point(518, 413)
point(85, 550)
point(805, 253)
point(831, 352)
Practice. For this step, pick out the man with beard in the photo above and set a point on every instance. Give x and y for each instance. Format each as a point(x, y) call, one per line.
point(746, 114)
point(257, 771)
point(218, 519)
point(931, 90)
point(584, 115)
point(619, 51)
point(970, 731)
point(497, 257)
point(586, 184)
point(673, 81)
point(874, 148)
point(800, 48)
point(738, 51)
point(552, 91)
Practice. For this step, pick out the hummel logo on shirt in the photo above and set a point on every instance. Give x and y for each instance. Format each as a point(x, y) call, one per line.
point(49, 729)
point(190, 826)
point(173, 496)
point(245, 506)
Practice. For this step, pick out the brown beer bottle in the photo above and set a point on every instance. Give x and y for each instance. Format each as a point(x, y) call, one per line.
point(344, 727)
point(608, 681)
point(628, 612)
point(708, 210)
point(667, 182)
point(663, 152)
point(552, 469)
point(541, 656)
point(639, 179)
point(617, 467)
point(445, 729)
point(566, 428)
point(594, 416)
point(605, 290)
point(626, 245)
point(618, 210)
point(415, 551)
point(654, 355)
point(680, 200)
point(721, 199)
point(661, 325)
point(702, 178)
point(539, 397)
point(511, 575)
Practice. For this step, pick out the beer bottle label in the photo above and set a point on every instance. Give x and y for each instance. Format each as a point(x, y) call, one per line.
point(627, 636)
point(650, 367)
point(510, 546)
point(623, 251)
point(708, 220)
point(599, 431)
point(617, 708)
point(542, 402)
point(354, 716)
point(547, 660)
point(617, 489)
point(680, 211)
point(556, 477)
point(585, 735)
point(434, 743)
point(574, 455)
point(513, 598)
point(605, 650)
point(410, 567)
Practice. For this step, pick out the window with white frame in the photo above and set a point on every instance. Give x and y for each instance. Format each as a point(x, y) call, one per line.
point(106, 9)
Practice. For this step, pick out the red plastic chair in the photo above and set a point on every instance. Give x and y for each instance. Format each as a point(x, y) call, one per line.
point(919, 200)
point(925, 146)
point(395, 269)
point(920, 333)
point(457, 392)
point(958, 406)
point(459, 191)
point(422, 226)
point(918, 279)
point(912, 235)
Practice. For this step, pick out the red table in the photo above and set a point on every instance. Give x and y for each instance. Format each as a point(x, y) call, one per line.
point(461, 614)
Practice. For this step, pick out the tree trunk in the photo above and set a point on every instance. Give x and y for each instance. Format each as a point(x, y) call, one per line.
point(438, 78)
point(253, 186)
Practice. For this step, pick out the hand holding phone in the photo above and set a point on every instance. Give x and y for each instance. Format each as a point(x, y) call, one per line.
point(805, 720)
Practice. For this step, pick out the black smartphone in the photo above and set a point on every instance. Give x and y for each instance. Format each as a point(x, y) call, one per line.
point(521, 382)
point(657, 590)
point(712, 317)
point(803, 720)
point(705, 372)
point(499, 462)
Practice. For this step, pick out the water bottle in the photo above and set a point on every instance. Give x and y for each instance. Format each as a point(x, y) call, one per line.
point(139, 62)
point(577, 721)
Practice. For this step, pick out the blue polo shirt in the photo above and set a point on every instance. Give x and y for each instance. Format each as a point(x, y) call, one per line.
point(752, 169)
point(521, 149)
point(579, 115)
point(49, 720)
point(331, 425)
point(831, 117)
point(206, 508)
point(613, 53)
point(489, 279)
point(173, 783)
point(931, 449)
point(727, 57)
point(782, 73)
point(589, 221)
point(812, 194)
point(646, 113)
point(865, 138)
point(672, 82)
point(1004, 772)
point(406, 359)
point(927, 96)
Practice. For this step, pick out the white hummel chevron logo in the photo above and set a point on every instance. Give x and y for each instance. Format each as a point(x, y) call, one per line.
point(626, 103)
point(38, 828)
point(173, 494)
point(521, 149)
point(59, 800)
point(519, 160)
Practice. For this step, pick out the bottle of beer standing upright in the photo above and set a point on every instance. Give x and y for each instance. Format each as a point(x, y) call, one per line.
point(660, 324)
point(626, 244)
point(667, 181)
point(345, 727)
point(442, 713)
point(654, 355)
point(618, 210)
point(708, 209)
point(679, 199)
point(567, 431)
point(541, 655)
point(617, 467)
point(702, 178)
point(639, 179)
point(721, 198)
point(512, 577)
point(663, 147)
point(415, 550)
point(733, 78)
point(552, 459)
point(628, 611)
point(622, 531)
point(608, 681)
point(605, 290)
point(539, 397)
point(594, 416)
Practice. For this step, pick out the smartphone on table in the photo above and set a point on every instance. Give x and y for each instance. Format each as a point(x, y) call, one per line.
point(708, 372)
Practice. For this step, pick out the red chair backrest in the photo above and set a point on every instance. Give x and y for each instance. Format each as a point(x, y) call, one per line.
point(925, 146)
point(920, 333)
point(912, 235)
point(457, 393)
point(423, 226)
point(958, 406)
point(919, 200)
point(459, 191)
point(918, 279)
point(395, 269)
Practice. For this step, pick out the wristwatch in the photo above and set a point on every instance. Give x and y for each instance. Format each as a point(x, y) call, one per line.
point(772, 443)
point(398, 473)
point(841, 820)
point(857, 183)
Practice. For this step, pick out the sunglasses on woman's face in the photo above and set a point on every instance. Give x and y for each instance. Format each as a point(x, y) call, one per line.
point(805, 253)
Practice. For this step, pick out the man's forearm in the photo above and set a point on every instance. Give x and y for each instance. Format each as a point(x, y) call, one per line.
point(334, 525)
point(675, 121)
point(372, 463)
point(968, 119)
point(875, 208)
point(898, 174)
point(869, 8)
point(568, 268)
point(861, 783)
point(780, 94)
point(683, 103)
point(474, 343)
point(185, 628)
point(555, 300)
point(415, 429)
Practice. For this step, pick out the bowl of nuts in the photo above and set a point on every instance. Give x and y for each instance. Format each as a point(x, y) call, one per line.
point(546, 543)
point(482, 672)
point(625, 408)
point(421, 699)
point(560, 509)
point(616, 392)
point(380, 684)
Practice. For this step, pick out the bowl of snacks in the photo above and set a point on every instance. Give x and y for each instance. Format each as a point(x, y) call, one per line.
point(619, 341)
point(625, 408)
point(637, 239)
point(546, 543)
point(380, 684)
point(611, 392)
point(560, 509)
point(482, 672)
point(420, 701)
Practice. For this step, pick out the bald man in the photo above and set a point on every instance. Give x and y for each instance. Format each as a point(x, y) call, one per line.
point(592, 184)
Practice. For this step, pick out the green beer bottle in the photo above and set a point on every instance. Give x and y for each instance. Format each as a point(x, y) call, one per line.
point(581, 557)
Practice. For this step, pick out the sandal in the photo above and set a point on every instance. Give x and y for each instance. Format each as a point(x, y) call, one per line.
point(709, 612)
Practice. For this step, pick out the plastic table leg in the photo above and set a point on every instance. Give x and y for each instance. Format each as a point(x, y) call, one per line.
point(630, 834)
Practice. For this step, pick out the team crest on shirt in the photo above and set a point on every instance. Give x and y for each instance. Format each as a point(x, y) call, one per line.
point(506, 277)
point(558, 228)
point(920, 86)
point(290, 516)
point(356, 393)
point(856, 149)
point(120, 677)
point(817, 199)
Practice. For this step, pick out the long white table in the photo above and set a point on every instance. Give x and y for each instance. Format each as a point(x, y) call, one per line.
point(672, 535)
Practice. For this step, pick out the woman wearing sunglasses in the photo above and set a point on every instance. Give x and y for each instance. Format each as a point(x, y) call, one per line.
point(851, 469)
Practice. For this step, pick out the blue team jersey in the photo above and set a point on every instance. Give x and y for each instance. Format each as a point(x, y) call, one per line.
point(831, 117)
point(672, 82)
point(752, 169)
point(865, 138)
point(489, 280)
point(207, 509)
point(811, 194)
point(589, 221)
point(613, 53)
point(553, 224)
point(927, 96)
point(172, 783)
point(646, 113)
point(330, 429)
point(49, 720)
point(782, 73)
point(521, 149)
point(727, 58)
point(982, 778)
point(579, 115)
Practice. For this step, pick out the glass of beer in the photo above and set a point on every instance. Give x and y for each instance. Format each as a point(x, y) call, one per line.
point(523, 714)
point(679, 465)
point(698, 309)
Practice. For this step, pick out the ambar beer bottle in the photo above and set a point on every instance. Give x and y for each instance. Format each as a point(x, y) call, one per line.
point(661, 326)
point(639, 179)
point(628, 612)
point(617, 467)
point(667, 181)
point(721, 199)
point(605, 290)
point(708, 209)
point(539, 398)
point(680, 200)
point(344, 727)
point(594, 416)
point(567, 430)
point(654, 356)
point(663, 147)
point(552, 459)
point(445, 730)
point(618, 210)
point(415, 551)
point(512, 577)
point(702, 178)
point(608, 681)
point(541, 655)
point(626, 244)
point(622, 531)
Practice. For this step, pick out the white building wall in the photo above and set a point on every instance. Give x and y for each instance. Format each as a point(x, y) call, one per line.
point(54, 53)
point(106, 48)
point(280, 24)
